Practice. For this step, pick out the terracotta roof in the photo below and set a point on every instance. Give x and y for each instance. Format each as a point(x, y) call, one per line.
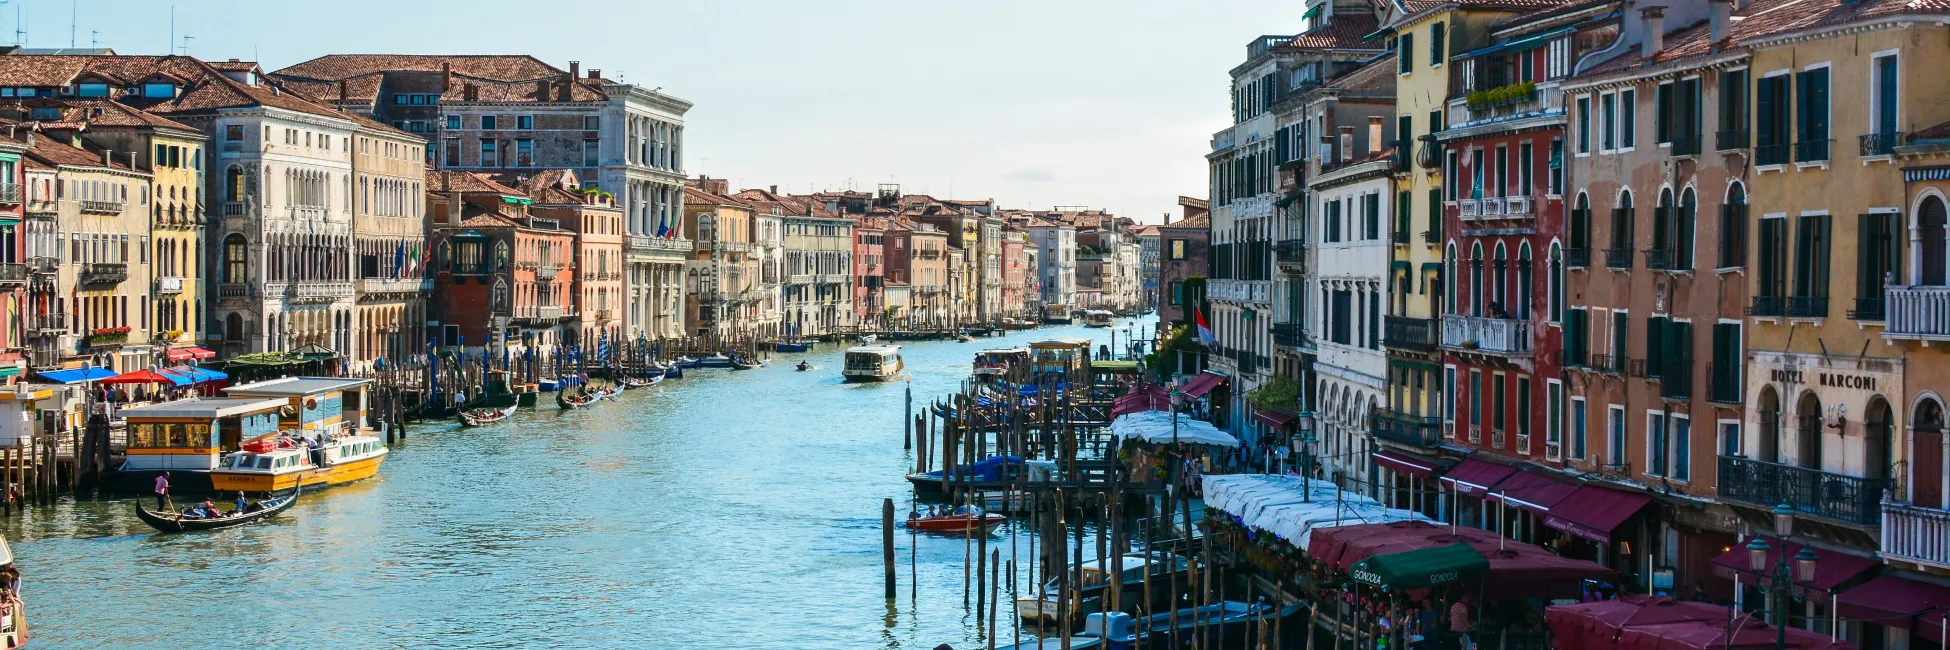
point(1376, 76)
point(493, 67)
point(1760, 19)
point(1200, 222)
point(466, 182)
point(100, 112)
point(1193, 202)
point(1938, 131)
point(489, 220)
point(54, 153)
point(695, 196)
point(1410, 7)
point(1347, 31)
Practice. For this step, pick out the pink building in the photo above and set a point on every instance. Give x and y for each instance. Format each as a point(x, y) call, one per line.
point(869, 269)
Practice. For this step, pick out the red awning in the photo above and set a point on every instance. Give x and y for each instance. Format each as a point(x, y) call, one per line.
point(1474, 477)
point(1892, 600)
point(186, 354)
point(1273, 419)
point(1595, 625)
point(1592, 512)
point(1934, 626)
point(1202, 384)
point(1714, 635)
point(1404, 464)
point(1535, 493)
point(1148, 398)
point(1517, 570)
point(1831, 570)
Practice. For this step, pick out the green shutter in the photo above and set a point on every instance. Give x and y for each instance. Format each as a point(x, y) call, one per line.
point(1684, 256)
point(1662, 118)
point(1655, 338)
point(1435, 213)
point(1823, 245)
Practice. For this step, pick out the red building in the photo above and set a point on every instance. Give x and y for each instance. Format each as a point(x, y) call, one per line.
point(501, 274)
point(869, 269)
point(13, 255)
point(597, 223)
point(1503, 189)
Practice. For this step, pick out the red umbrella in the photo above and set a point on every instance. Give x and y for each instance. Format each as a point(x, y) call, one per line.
point(143, 377)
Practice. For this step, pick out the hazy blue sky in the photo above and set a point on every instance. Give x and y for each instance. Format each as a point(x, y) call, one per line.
point(1034, 103)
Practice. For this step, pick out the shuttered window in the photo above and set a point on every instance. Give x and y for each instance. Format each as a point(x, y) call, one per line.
point(1621, 327)
point(1435, 215)
point(1725, 375)
point(1655, 338)
point(1811, 115)
point(1771, 121)
point(1406, 57)
point(1811, 251)
point(1773, 257)
point(1878, 241)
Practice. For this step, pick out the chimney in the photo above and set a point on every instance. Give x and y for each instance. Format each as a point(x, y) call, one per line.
point(342, 91)
point(575, 69)
point(446, 75)
point(1347, 143)
point(1167, 218)
point(1374, 134)
point(1653, 19)
point(775, 190)
point(541, 90)
point(453, 208)
point(1722, 14)
point(470, 93)
point(108, 157)
point(595, 74)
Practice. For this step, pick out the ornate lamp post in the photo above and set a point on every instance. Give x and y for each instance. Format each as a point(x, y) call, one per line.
point(1783, 576)
point(1303, 444)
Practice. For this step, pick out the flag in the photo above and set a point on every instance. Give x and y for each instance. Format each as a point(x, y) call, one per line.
point(399, 260)
point(663, 231)
point(1204, 332)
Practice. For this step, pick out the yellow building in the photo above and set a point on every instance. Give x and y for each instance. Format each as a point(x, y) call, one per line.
point(389, 235)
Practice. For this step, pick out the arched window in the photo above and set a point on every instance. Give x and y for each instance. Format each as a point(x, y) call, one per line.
point(1733, 227)
point(1664, 232)
point(236, 259)
point(1557, 283)
point(1526, 286)
point(1500, 293)
point(1581, 223)
point(233, 183)
point(1618, 253)
point(1808, 424)
point(1769, 411)
point(1928, 472)
point(233, 328)
point(1879, 440)
point(500, 297)
point(1683, 239)
point(1476, 279)
point(1930, 230)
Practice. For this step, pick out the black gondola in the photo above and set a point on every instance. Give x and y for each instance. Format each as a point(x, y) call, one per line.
point(177, 524)
point(480, 417)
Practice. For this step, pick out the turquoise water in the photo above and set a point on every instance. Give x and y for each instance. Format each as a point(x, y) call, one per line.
point(720, 510)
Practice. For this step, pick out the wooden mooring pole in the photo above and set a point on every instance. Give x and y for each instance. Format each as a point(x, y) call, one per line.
point(887, 543)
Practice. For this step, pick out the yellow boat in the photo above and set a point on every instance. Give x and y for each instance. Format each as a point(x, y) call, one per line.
point(320, 441)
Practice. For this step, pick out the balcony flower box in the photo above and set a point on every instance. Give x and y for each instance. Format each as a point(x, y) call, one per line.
point(1512, 94)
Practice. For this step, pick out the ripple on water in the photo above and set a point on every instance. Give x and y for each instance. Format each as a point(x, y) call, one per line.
point(719, 510)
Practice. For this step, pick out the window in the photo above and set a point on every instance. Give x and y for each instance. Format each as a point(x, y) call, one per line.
point(1557, 167)
point(1177, 293)
point(1627, 118)
point(489, 156)
point(1771, 121)
point(1880, 238)
point(589, 158)
point(1449, 394)
point(1773, 260)
point(1405, 58)
point(1811, 115)
point(524, 122)
point(1682, 254)
point(236, 255)
point(1733, 228)
point(1554, 422)
point(158, 90)
point(1584, 125)
point(1723, 376)
point(1475, 398)
point(1682, 448)
point(487, 122)
point(1657, 445)
point(233, 133)
point(1523, 169)
point(524, 153)
point(1608, 111)
point(1177, 249)
point(1883, 102)
point(1662, 117)
point(91, 89)
point(1523, 414)
point(1729, 438)
point(1437, 43)
point(1579, 419)
point(1733, 110)
point(453, 121)
point(399, 98)
point(592, 123)
point(1371, 215)
point(1811, 244)
point(1615, 435)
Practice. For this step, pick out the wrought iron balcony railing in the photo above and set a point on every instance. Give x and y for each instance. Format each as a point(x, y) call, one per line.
point(1811, 151)
point(104, 273)
point(1289, 335)
point(1881, 144)
point(1807, 306)
point(1577, 258)
point(1686, 145)
point(1618, 258)
point(1414, 334)
point(1768, 306)
point(1867, 309)
point(1730, 140)
point(1771, 154)
point(1610, 364)
point(1843, 498)
point(1405, 428)
point(1676, 379)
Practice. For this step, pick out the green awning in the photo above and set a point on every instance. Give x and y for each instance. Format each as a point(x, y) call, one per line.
point(1420, 568)
point(1401, 265)
point(1287, 200)
point(1114, 366)
point(9, 371)
point(1313, 12)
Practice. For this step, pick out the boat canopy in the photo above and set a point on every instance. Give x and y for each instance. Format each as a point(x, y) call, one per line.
point(1156, 427)
point(992, 468)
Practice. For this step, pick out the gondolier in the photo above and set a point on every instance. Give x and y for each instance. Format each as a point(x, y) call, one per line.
point(162, 491)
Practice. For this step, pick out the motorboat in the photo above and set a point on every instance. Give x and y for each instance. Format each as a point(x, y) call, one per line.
point(713, 361)
point(182, 522)
point(873, 363)
point(1098, 318)
point(13, 617)
point(803, 366)
point(867, 339)
point(1224, 625)
point(1094, 577)
point(319, 440)
point(994, 472)
point(480, 417)
point(743, 364)
point(965, 519)
point(793, 346)
point(990, 364)
point(1112, 631)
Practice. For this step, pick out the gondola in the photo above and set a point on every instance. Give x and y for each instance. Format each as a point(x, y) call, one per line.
point(630, 383)
point(566, 401)
point(480, 417)
point(741, 364)
point(177, 524)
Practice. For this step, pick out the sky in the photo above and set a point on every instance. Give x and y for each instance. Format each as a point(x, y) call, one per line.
point(1035, 104)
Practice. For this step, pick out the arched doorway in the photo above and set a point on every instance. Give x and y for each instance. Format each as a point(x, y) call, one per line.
point(1928, 459)
point(1768, 448)
point(1930, 232)
point(1879, 440)
point(1807, 416)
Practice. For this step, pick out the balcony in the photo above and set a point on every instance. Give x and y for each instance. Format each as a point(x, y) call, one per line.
point(1262, 44)
point(104, 273)
point(548, 312)
point(1412, 334)
point(1492, 207)
point(799, 278)
point(1618, 258)
point(1289, 335)
point(1811, 151)
point(43, 265)
point(101, 207)
point(1686, 145)
point(834, 278)
point(390, 285)
point(1676, 379)
point(1433, 235)
point(1807, 306)
point(1730, 140)
point(1610, 364)
point(647, 244)
point(1577, 258)
point(1519, 206)
point(1291, 254)
point(1917, 313)
point(1512, 101)
point(1867, 309)
point(1839, 497)
point(48, 323)
point(1242, 291)
point(232, 290)
point(1881, 144)
point(1405, 428)
point(319, 292)
point(1771, 154)
point(605, 315)
point(1916, 534)
point(1658, 259)
point(10, 193)
point(233, 208)
point(1499, 336)
point(1429, 154)
point(1469, 209)
point(169, 285)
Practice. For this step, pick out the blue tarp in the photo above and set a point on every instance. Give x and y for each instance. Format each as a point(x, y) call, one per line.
point(197, 375)
point(989, 469)
point(77, 375)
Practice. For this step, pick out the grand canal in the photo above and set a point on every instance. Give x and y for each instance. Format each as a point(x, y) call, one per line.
point(720, 510)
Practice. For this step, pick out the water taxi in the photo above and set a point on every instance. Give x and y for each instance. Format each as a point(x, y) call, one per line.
point(320, 442)
point(13, 617)
point(188, 438)
point(873, 363)
point(990, 364)
point(1059, 357)
point(1059, 314)
point(1098, 318)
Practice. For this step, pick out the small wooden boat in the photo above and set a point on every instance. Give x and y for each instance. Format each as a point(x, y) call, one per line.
point(803, 366)
point(631, 383)
point(567, 401)
point(174, 523)
point(963, 520)
point(1224, 625)
point(741, 364)
point(480, 417)
point(1100, 632)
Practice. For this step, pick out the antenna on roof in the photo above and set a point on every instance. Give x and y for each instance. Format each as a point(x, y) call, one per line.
point(74, 16)
point(186, 44)
point(20, 26)
point(93, 38)
point(172, 28)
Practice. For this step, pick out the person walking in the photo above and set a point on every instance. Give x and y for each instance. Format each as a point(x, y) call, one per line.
point(162, 492)
point(1459, 623)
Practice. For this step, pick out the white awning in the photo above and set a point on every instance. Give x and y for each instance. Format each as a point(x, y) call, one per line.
point(1291, 508)
point(1156, 427)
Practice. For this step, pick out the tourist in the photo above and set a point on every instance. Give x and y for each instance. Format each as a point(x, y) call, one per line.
point(162, 491)
point(241, 502)
point(1459, 622)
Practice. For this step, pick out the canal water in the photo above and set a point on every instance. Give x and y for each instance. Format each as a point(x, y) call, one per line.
point(716, 511)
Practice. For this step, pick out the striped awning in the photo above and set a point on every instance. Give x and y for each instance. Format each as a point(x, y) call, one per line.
point(1926, 174)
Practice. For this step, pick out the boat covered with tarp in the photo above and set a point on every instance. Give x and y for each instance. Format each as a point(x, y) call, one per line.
point(988, 472)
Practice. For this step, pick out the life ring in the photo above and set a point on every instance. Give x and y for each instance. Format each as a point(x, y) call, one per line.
point(311, 404)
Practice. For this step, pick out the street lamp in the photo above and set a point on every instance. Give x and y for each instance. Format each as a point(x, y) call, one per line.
point(1783, 576)
point(1303, 445)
